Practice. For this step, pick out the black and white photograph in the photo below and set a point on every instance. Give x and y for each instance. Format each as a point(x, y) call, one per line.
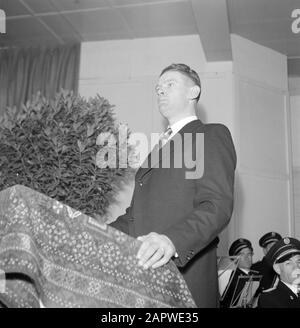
point(150, 157)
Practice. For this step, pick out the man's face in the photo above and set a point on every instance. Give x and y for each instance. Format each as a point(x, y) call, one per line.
point(173, 90)
point(245, 260)
point(289, 270)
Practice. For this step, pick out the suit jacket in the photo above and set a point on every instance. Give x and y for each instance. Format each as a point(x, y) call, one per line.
point(279, 297)
point(191, 212)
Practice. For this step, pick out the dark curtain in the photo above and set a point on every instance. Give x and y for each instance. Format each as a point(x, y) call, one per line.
point(25, 71)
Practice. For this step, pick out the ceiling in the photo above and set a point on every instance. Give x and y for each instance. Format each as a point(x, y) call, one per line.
point(267, 22)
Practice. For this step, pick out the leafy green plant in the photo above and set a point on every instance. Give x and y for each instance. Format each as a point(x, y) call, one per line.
point(50, 146)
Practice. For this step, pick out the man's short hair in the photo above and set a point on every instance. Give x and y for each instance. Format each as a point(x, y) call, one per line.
point(185, 70)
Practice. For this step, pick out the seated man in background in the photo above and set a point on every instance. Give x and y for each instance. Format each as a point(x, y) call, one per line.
point(243, 249)
point(263, 267)
point(284, 257)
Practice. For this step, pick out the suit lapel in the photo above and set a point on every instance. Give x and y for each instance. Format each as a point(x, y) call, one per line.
point(158, 155)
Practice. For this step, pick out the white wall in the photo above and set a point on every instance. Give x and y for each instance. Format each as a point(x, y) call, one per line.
point(294, 89)
point(125, 72)
point(264, 200)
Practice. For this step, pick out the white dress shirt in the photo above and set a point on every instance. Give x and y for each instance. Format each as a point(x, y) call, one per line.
point(245, 270)
point(176, 127)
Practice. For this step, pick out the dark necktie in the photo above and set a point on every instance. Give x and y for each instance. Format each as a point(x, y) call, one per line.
point(164, 137)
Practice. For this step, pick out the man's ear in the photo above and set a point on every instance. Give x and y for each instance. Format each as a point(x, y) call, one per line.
point(276, 268)
point(194, 92)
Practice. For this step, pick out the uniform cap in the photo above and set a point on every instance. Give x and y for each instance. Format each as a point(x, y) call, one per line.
point(238, 245)
point(283, 250)
point(268, 238)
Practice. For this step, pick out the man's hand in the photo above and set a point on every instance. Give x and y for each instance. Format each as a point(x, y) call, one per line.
point(155, 251)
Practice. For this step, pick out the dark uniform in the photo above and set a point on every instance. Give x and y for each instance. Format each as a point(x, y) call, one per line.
point(236, 284)
point(263, 267)
point(280, 296)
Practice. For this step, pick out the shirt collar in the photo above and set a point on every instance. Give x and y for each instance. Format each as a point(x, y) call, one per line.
point(245, 270)
point(176, 127)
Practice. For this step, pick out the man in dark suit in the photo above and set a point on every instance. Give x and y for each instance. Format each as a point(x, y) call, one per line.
point(263, 267)
point(176, 211)
point(284, 257)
